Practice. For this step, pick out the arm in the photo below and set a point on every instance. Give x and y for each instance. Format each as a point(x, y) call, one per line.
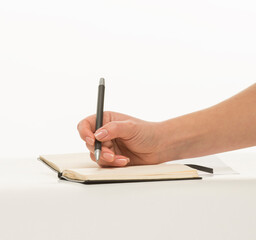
point(226, 126)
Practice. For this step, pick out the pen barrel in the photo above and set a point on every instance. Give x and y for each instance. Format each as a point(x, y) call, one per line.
point(97, 145)
point(99, 115)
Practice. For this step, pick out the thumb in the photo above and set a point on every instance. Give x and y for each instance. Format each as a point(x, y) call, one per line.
point(116, 129)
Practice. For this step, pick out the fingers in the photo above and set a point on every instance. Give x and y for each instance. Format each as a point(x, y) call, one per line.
point(119, 161)
point(106, 153)
point(86, 128)
point(124, 129)
point(108, 158)
point(116, 129)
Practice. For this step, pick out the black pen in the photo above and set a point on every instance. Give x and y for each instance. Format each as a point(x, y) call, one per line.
point(99, 116)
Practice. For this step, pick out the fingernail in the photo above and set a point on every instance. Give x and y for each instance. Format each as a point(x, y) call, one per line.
point(101, 134)
point(108, 156)
point(122, 161)
point(89, 140)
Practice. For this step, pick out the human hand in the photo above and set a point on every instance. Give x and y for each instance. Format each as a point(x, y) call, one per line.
point(131, 141)
point(125, 140)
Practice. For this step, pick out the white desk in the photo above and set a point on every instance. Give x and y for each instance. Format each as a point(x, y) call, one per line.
point(34, 204)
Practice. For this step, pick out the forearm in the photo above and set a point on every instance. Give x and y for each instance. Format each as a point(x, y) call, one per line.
point(226, 126)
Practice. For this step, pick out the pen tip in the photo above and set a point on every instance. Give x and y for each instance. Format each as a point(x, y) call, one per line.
point(97, 154)
point(102, 81)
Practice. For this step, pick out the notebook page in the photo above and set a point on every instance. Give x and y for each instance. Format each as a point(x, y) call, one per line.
point(60, 162)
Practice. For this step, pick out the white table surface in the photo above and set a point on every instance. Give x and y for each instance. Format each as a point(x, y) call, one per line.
point(34, 204)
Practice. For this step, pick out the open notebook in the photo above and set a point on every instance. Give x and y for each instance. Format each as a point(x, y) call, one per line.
point(79, 167)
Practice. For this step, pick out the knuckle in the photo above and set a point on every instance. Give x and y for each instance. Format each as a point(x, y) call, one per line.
point(107, 116)
point(131, 123)
point(107, 112)
point(78, 126)
point(114, 125)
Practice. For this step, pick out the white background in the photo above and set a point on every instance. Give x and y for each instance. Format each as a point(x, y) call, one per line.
point(160, 59)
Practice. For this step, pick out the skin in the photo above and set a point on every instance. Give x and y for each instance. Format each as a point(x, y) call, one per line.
point(126, 140)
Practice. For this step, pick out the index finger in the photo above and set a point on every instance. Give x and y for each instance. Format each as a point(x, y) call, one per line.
point(86, 127)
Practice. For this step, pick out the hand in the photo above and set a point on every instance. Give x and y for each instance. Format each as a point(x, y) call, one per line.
point(125, 140)
point(226, 126)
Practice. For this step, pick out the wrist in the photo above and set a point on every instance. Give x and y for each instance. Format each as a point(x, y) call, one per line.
point(182, 137)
